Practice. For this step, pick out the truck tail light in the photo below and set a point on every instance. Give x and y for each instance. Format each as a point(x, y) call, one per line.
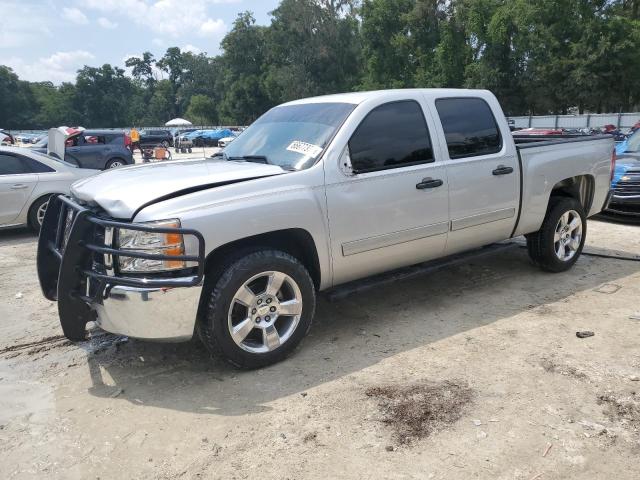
point(613, 163)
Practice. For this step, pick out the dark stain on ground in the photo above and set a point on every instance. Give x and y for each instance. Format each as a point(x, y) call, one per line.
point(416, 411)
point(621, 407)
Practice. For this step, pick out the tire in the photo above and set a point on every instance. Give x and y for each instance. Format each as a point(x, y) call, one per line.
point(36, 213)
point(189, 150)
point(255, 346)
point(556, 238)
point(165, 143)
point(115, 163)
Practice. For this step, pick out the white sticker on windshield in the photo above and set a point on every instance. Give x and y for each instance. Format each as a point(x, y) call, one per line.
point(304, 148)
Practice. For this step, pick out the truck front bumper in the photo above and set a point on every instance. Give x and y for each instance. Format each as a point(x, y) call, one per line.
point(78, 268)
point(158, 314)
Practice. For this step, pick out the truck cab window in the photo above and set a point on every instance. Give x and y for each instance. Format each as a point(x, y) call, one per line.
point(392, 135)
point(469, 127)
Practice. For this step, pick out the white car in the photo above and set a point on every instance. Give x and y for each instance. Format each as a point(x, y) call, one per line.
point(223, 142)
point(27, 180)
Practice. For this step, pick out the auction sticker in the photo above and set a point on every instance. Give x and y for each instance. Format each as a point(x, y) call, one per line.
point(308, 149)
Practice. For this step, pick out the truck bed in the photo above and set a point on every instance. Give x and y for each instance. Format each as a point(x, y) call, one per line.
point(546, 159)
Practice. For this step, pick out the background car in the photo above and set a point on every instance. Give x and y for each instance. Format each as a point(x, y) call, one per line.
point(27, 180)
point(223, 142)
point(6, 138)
point(151, 138)
point(96, 149)
point(209, 138)
point(625, 186)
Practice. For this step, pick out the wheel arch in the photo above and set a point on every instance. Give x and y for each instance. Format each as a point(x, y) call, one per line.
point(297, 242)
point(32, 204)
point(580, 187)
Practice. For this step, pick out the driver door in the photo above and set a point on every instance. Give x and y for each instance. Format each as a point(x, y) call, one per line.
point(392, 210)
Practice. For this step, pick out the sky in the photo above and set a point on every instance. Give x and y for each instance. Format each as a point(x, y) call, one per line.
point(46, 40)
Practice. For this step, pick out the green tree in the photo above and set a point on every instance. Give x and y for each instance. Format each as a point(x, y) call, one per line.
point(103, 96)
point(243, 64)
point(17, 104)
point(314, 49)
point(202, 110)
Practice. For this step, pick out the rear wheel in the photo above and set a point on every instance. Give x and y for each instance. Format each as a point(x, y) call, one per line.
point(115, 163)
point(559, 242)
point(37, 211)
point(165, 143)
point(258, 309)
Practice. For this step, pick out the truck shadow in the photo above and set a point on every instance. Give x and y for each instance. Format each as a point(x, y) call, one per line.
point(351, 334)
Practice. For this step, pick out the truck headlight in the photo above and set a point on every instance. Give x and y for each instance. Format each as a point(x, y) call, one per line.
point(170, 244)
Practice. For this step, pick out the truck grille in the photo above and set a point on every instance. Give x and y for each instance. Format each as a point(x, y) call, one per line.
point(628, 187)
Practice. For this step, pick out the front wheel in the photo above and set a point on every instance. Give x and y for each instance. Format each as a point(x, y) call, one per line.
point(258, 309)
point(559, 242)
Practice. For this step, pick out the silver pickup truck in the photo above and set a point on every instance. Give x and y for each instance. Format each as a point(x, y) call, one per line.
point(317, 192)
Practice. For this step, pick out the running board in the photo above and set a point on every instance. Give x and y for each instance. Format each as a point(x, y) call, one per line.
point(358, 286)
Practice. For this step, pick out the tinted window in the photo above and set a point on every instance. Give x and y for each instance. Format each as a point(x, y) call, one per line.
point(10, 165)
point(391, 136)
point(37, 167)
point(93, 139)
point(469, 127)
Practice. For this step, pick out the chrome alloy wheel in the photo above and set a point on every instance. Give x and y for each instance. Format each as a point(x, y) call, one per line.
point(264, 312)
point(116, 164)
point(42, 209)
point(568, 235)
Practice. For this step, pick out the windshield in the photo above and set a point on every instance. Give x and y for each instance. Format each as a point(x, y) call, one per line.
point(291, 136)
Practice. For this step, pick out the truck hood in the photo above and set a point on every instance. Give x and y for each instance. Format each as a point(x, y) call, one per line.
point(125, 190)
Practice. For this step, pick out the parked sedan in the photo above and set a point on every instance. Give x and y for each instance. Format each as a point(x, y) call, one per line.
point(27, 180)
point(223, 142)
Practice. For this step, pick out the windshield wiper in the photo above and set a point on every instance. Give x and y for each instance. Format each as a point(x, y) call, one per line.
point(252, 158)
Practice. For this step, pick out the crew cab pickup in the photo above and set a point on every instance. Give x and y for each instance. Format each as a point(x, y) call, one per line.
point(317, 192)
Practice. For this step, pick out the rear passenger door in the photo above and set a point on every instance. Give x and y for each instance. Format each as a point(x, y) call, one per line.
point(17, 181)
point(391, 210)
point(483, 174)
point(89, 151)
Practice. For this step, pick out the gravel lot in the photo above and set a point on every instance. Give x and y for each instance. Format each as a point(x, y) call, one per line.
point(474, 371)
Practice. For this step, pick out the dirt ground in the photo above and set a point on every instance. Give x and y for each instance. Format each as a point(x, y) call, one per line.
point(471, 372)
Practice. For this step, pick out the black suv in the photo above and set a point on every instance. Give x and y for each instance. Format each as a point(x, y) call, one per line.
point(151, 138)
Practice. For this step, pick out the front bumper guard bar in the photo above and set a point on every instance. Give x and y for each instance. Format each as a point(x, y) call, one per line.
point(71, 237)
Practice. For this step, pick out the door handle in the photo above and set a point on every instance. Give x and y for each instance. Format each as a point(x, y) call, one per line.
point(502, 170)
point(18, 186)
point(428, 183)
